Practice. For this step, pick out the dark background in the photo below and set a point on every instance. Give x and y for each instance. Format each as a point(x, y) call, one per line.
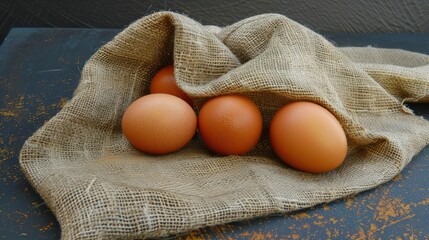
point(327, 16)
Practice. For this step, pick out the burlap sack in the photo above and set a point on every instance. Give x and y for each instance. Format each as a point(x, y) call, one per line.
point(99, 187)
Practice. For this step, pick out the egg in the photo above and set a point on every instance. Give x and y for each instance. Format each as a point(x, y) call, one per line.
point(159, 123)
point(230, 124)
point(164, 81)
point(308, 137)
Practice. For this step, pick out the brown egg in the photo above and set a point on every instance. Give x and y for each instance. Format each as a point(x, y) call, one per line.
point(308, 137)
point(159, 123)
point(164, 81)
point(230, 124)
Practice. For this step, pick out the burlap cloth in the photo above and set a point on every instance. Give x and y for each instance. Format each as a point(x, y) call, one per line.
point(99, 187)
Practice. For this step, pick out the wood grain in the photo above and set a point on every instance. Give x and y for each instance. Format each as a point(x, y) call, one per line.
point(330, 16)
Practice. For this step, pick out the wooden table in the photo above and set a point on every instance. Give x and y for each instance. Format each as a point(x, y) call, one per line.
point(39, 70)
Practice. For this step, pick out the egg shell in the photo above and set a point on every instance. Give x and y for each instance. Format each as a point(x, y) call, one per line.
point(230, 124)
point(308, 137)
point(159, 123)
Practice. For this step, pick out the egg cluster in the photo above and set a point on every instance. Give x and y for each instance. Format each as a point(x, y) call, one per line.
point(304, 135)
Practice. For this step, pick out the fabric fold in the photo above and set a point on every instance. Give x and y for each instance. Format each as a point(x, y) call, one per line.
point(100, 187)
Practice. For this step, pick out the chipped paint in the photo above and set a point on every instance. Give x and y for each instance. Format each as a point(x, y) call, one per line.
point(397, 177)
point(293, 236)
point(326, 207)
point(46, 227)
point(388, 208)
point(424, 202)
point(20, 103)
point(261, 236)
point(300, 215)
point(8, 113)
point(332, 233)
point(62, 102)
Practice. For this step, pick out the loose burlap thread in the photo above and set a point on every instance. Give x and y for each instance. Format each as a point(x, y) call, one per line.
point(99, 187)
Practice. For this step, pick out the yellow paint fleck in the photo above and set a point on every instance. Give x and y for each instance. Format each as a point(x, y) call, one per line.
point(349, 202)
point(261, 236)
point(319, 223)
point(372, 230)
point(332, 233)
point(23, 215)
point(6, 153)
point(295, 236)
point(41, 110)
point(359, 235)
point(328, 233)
point(301, 215)
point(336, 233)
point(333, 220)
point(245, 234)
point(47, 227)
point(20, 103)
point(194, 235)
point(7, 113)
point(399, 220)
point(424, 202)
point(397, 177)
point(62, 102)
point(15, 178)
point(388, 208)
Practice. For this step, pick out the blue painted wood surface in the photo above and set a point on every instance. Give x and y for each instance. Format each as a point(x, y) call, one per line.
point(39, 70)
